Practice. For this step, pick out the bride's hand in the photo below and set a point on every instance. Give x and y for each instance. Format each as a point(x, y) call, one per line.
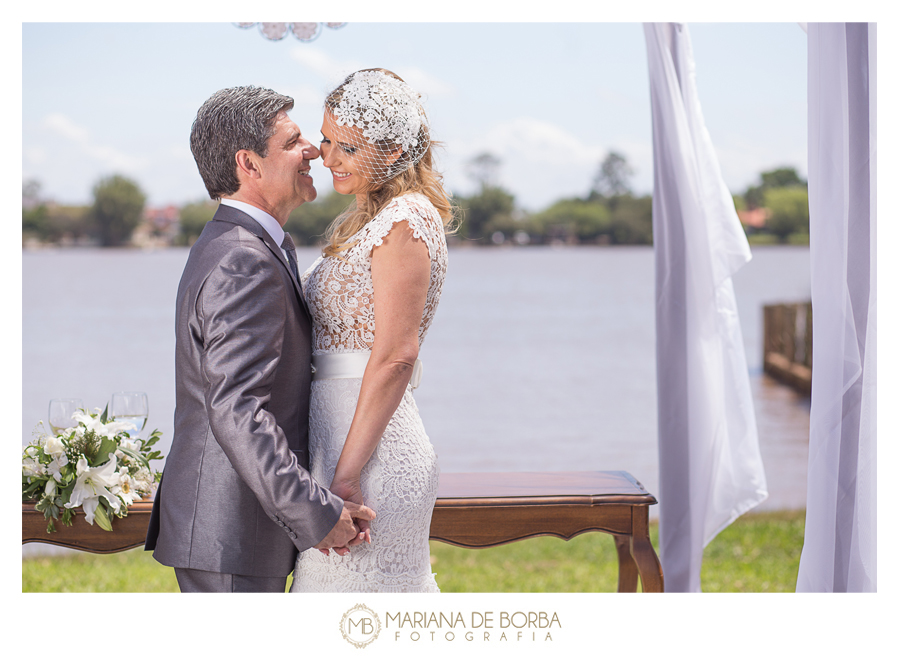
point(350, 490)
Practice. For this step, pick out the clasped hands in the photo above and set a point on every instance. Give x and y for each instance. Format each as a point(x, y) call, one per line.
point(352, 528)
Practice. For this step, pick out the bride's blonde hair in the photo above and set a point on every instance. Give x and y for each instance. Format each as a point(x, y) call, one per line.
point(419, 177)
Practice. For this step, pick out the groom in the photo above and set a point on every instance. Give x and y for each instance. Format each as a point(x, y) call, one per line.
point(237, 501)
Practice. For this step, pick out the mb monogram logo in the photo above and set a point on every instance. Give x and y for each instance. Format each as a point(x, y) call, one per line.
point(360, 626)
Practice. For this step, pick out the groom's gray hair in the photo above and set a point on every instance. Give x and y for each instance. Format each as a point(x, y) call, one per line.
point(229, 121)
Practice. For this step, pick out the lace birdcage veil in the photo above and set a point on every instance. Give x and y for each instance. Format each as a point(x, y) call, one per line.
point(378, 123)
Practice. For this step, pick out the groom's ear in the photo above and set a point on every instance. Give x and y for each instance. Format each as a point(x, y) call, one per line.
point(247, 164)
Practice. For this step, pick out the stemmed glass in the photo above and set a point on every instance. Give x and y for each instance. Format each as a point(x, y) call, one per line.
point(130, 407)
point(60, 414)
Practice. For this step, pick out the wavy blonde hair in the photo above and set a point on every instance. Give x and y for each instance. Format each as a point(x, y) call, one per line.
point(420, 177)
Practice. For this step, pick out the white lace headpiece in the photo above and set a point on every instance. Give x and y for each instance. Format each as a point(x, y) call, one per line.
point(389, 118)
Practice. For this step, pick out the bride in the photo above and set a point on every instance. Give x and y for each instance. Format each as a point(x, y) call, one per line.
point(372, 297)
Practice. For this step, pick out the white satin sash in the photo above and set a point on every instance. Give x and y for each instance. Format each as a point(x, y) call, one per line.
point(352, 365)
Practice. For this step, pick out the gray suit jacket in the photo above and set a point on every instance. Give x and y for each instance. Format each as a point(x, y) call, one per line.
point(236, 495)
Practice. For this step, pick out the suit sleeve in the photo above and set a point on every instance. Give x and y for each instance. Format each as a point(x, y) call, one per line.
point(242, 306)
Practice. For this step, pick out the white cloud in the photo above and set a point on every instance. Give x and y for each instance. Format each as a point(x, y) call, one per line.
point(542, 162)
point(180, 153)
point(62, 125)
point(742, 160)
point(323, 65)
point(34, 155)
point(333, 71)
point(533, 141)
point(111, 157)
point(425, 83)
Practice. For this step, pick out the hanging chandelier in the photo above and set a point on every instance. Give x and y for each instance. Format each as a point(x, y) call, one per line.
point(302, 31)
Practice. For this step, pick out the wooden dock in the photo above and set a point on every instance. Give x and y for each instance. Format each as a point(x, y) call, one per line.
point(787, 344)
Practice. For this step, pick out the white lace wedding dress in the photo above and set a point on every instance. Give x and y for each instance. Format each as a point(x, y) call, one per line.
point(400, 480)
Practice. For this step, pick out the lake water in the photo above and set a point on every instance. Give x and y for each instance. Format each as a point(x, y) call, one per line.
point(539, 358)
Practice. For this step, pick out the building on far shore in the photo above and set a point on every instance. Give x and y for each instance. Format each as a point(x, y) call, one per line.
point(158, 227)
point(755, 219)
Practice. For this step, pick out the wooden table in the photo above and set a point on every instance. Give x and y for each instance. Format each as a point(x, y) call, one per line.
point(129, 532)
point(479, 510)
point(473, 510)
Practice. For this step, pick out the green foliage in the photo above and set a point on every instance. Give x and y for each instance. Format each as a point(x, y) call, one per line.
point(481, 213)
point(308, 223)
point(757, 553)
point(790, 211)
point(53, 223)
point(632, 220)
point(118, 204)
point(192, 219)
point(573, 219)
point(782, 177)
point(754, 197)
point(35, 220)
point(128, 571)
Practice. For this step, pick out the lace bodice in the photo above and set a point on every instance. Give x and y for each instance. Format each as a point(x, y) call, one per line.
point(340, 293)
point(400, 479)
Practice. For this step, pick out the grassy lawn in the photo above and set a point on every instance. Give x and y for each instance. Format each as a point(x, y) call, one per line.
point(757, 553)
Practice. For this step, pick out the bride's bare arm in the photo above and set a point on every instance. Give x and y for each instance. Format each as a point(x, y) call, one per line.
point(401, 272)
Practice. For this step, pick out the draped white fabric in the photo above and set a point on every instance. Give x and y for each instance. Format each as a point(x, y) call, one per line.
point(710, 467)
point(839, 547)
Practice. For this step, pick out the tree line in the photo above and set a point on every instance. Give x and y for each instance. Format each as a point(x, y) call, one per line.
point(776, 210)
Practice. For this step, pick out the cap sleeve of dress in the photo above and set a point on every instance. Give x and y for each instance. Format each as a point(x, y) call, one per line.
point(414, 209)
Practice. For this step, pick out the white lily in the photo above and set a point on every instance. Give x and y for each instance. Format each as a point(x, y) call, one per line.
point(92, 484)
point(108, 429)
point(128, 444)
point(127, 487)
point(31, 467)
point(55, 467)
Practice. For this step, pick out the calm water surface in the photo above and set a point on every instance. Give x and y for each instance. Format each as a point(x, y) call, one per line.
point(538, 359)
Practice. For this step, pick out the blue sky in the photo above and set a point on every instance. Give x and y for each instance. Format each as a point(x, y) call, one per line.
point(549, 99)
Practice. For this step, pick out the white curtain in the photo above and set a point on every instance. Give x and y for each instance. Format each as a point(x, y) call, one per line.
point(710, 467)
point(839, 548)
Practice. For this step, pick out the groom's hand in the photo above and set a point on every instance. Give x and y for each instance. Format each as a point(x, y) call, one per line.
point(350, 530)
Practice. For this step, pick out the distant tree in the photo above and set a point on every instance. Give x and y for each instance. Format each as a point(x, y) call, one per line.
point(31, 193)
point(782, 177)
point(573, 218)
point(69, 222)
point(632, 220)
point(308, 223)
point(790, 211)
point(118, 204)
point(612, 178)
point(477, 212)
point(50, 222)
point(34, 211)
point(484, 169)
point(773, 179)
point(192, 217)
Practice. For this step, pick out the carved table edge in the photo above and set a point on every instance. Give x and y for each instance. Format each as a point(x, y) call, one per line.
point(519, 501)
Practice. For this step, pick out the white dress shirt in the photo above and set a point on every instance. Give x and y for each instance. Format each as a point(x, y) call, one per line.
point(264, 219)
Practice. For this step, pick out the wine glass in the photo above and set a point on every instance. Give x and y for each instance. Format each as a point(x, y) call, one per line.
point(60, 414)
point(130, 407)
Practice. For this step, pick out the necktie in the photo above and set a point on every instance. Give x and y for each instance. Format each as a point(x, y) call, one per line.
point(288, 245)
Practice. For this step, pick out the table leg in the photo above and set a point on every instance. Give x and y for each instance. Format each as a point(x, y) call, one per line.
point(628, 571)
point(648, 564)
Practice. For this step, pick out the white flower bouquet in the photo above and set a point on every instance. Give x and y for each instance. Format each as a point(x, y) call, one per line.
point(96, 466)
